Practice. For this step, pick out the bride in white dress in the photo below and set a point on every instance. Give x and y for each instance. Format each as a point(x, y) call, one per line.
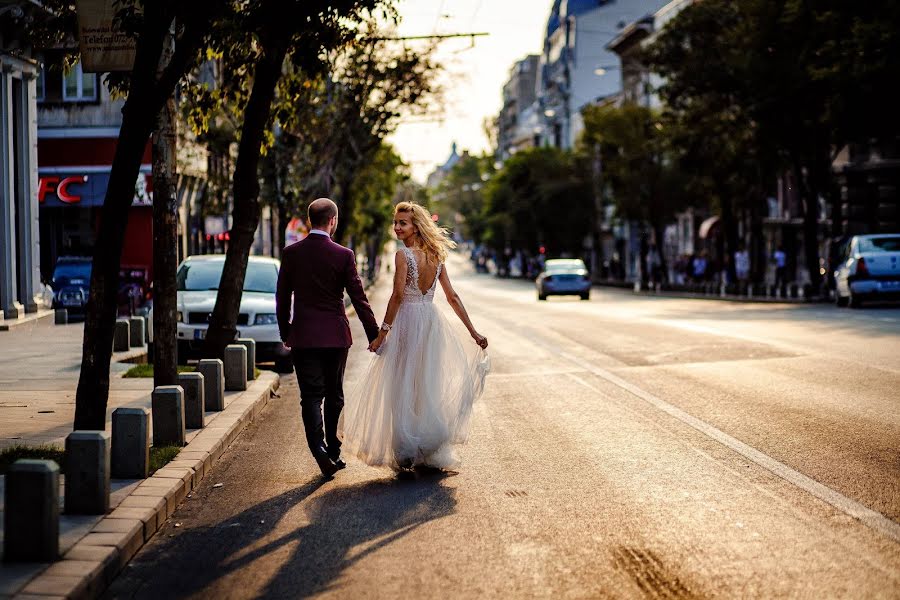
point(415, 402)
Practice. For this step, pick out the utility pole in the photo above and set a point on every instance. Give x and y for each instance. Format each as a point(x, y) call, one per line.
point(165, 238)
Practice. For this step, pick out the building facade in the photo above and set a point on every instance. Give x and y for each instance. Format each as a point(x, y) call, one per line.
point(576, 67)
point(517, 122)
point(20, 282)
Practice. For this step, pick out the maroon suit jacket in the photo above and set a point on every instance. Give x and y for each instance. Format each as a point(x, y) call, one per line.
point(317, 271)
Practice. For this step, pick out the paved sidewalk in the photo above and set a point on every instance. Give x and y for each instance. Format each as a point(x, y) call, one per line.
point(39, 368)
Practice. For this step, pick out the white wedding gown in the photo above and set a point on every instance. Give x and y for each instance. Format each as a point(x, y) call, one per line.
point(415, 402)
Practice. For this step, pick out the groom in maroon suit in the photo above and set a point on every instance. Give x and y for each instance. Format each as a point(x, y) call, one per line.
point(316, 271)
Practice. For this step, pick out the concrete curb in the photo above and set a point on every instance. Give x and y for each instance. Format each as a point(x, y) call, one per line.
point(92, 563)
point(43, 313)
point(629, 289)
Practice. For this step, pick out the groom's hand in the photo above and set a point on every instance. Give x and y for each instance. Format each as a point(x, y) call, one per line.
point(377, 342)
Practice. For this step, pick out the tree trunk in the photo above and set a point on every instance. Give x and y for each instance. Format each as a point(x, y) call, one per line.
point(659, 229)
point(245, 215)
point(729, 232)
point(809, 195)
point(138, 118)
point(165, 252)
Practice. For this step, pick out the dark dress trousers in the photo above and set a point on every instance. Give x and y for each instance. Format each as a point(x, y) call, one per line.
point(315, 272)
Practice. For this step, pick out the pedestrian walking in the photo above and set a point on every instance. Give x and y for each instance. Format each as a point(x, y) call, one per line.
point(742, 264)
point(780, 259)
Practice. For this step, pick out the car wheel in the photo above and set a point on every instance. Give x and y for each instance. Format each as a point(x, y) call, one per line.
point(586, 296)
point(854, 302)
point(284, 365)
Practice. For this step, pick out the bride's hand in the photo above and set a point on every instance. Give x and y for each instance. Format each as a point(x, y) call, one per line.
point(480, 340)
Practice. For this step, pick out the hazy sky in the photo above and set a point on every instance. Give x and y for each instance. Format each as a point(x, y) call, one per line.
point(477, 74)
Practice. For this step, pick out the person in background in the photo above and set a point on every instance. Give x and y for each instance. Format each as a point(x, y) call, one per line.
point(742, 264)
point(780, 259)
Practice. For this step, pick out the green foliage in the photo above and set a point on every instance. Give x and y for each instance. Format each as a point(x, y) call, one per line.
point(462, 192)
point(161, 456)
point(43, 452)
point(372, 193)
point(539, 198)
point(636, 161)
point(759, 87)
point(146, 370)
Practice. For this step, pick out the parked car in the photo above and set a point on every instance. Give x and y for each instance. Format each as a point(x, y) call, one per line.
point(564, 277)
point(868, 270)
point(198, 284)
point(71, 283)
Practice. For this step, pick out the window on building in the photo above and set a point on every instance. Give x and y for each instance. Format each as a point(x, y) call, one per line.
point(79, 86)
point(39, 85)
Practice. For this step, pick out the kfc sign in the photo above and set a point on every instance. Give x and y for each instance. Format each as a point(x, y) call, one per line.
point(60, 187)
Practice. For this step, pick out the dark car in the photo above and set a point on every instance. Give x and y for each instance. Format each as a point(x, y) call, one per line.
point(71, 283)
point(564, 277)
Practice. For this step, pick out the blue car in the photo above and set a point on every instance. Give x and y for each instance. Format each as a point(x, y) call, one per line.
point(71, 283)
point(564, 277)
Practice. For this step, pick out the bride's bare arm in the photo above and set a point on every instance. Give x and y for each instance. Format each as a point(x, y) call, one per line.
point(400, 268)
point(460, 310)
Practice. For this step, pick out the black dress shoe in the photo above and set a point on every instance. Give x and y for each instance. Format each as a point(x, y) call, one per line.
point(326, 465)
point(336, 459)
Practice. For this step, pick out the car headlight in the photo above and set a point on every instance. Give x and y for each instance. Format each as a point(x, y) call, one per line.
point(265, 319)
point(179, 316)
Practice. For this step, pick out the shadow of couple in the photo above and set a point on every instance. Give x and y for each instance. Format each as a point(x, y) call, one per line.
point(326, 535)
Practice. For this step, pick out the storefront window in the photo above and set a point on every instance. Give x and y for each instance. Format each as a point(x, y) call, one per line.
point(79, 86)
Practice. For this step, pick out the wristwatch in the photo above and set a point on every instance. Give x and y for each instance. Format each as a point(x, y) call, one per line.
point(385, 327)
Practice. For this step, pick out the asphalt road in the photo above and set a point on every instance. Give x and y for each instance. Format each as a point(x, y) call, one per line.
point(625, 447)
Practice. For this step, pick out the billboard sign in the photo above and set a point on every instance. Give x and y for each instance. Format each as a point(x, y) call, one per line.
point(104, 47)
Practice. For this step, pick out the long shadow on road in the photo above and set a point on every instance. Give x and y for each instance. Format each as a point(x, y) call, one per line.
point(234, 558)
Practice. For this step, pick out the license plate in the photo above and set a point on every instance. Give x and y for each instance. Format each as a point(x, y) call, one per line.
point(72, 302)
point(199, 334)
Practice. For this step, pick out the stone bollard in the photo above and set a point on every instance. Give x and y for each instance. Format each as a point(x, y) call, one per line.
point(194, 399)
point(136, 331)
point(31, 512)
point(235, 368)
point(250, 344)
point(61, 316)
point(122, 336)
point(213, 371)
point(167, 403)
point(131, 443)
point(87, 473)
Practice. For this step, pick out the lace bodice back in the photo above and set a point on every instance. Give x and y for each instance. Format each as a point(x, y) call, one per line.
point(412, 293)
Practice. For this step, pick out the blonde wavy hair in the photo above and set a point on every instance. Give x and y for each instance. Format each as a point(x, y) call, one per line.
point(435, 241)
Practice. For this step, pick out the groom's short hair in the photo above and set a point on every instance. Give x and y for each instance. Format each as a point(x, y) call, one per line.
point(320, 211)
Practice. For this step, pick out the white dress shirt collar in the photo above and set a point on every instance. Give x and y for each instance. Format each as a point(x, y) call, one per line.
point(319, 232)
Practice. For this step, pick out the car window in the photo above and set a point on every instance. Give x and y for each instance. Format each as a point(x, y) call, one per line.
point(202, 275)
point(882, 244)
point(565, 265)
point(67, 272)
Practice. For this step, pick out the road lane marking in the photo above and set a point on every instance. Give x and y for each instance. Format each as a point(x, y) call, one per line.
point(873, 519)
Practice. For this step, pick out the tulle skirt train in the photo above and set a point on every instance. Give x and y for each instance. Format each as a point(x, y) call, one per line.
point(414, 405)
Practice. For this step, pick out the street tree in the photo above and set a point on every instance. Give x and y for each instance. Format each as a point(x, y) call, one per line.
point(461, 193)
point(269, 49)
point(638, 167)
point(148, 86)
point(539, 198)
